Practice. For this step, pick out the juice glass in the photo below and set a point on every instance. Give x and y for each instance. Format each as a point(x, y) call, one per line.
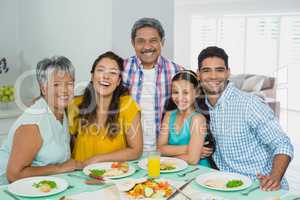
point(154, 164)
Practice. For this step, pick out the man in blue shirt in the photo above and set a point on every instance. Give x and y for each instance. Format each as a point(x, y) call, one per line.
point(249, 139)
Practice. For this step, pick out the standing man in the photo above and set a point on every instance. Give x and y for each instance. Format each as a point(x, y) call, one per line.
point(248, 136)
point(148, 76)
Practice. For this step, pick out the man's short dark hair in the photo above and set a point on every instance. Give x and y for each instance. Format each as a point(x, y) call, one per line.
point(147, 22)
point(212, 51)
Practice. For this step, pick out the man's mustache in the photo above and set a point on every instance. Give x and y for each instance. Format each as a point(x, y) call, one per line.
point(149, 51)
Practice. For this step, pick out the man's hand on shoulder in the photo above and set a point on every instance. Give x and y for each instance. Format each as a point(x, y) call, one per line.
point(206, 152)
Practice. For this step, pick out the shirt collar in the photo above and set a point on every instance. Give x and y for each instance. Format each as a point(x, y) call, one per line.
point(225, 96)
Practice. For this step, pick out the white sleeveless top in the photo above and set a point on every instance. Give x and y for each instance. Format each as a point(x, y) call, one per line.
point(56, 139)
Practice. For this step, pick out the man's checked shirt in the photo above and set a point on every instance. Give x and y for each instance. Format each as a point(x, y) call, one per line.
point(247, 133)
point(133, 79)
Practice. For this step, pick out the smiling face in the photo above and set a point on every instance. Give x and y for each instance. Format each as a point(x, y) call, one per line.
point(147, 44)
point(106, 77)
point(183, 94)
point(213, 75)
point(59, 90)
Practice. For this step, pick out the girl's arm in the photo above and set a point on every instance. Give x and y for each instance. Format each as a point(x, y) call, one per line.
point(134, 149)
point(26, 145)
point(162, 146)
point(198, 130)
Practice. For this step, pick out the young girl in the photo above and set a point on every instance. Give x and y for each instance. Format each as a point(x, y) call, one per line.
point(183, 130)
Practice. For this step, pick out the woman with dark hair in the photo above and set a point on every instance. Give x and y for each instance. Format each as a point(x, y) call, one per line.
point(184, 130)
point(105, 120)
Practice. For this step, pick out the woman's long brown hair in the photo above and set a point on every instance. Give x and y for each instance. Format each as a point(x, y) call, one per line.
point(88, 107)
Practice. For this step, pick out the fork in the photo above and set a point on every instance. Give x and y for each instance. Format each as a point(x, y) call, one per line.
point(11, 194)
point(185, 173)
point(78, 176)
point(70, 187)
point(246, 193)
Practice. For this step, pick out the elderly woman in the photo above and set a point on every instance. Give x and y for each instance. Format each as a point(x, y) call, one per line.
point(106, 120)
point(39, 143)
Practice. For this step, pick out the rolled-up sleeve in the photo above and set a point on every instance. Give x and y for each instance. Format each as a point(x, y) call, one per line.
point(267, 128)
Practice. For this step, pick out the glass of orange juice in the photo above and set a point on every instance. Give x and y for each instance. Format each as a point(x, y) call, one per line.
point(154, 164)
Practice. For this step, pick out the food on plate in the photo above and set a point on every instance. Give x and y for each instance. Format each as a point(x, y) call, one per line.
point(45, 185)
point(223, 184)
point(117, 169)
point(97, 172)
point(234, 183)
point(123, 166)
point(215, 183)
point(167, 166)
point(151, 188)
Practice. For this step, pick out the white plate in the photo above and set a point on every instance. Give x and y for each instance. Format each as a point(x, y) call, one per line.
point(180, 164)
point(105, 166)
point(24, 187)
point(223, 178)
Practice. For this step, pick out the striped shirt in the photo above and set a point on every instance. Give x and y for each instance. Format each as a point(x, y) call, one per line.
point(133, 79)
point(247, 133)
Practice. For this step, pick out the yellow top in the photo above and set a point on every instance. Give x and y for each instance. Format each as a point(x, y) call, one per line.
point(92, 140)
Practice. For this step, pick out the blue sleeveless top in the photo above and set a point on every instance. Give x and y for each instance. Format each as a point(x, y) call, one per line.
point(184, 135)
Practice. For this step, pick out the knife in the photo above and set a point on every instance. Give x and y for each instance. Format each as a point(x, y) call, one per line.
point(179, 190)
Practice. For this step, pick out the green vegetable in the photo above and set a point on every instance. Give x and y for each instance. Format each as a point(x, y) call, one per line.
point(148, 192)
point(97, 172)
point(168, 168)
point(51, 184)
point(234, 183)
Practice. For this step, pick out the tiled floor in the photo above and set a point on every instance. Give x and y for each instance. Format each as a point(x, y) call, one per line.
point(290, 121)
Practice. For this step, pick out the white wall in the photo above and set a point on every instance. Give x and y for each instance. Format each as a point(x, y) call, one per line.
point(8, 38)
point(79, 30)
point(125, 13)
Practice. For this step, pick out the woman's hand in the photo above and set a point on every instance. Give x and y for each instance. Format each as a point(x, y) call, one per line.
point(70, 165)
point(90, 161)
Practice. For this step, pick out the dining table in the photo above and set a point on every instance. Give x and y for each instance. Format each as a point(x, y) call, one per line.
point(109, 190)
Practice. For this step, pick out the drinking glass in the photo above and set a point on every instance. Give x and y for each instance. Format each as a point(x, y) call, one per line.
point(154, 164)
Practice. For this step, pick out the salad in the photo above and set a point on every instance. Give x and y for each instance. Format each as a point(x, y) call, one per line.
point(234, 183)
point(151, 188)
point(164, 166)
point(116, 169)
point(45, 185)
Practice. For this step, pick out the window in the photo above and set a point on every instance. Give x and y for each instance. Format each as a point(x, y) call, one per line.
point(267, 44)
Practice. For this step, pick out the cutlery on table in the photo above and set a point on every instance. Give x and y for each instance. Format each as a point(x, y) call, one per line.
point(94, 181)
point(78, 176)
point(246, 192)
point(89, 180)
point(134, 161)
point(179, 190)
point(185, 173)
point(11, 195)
